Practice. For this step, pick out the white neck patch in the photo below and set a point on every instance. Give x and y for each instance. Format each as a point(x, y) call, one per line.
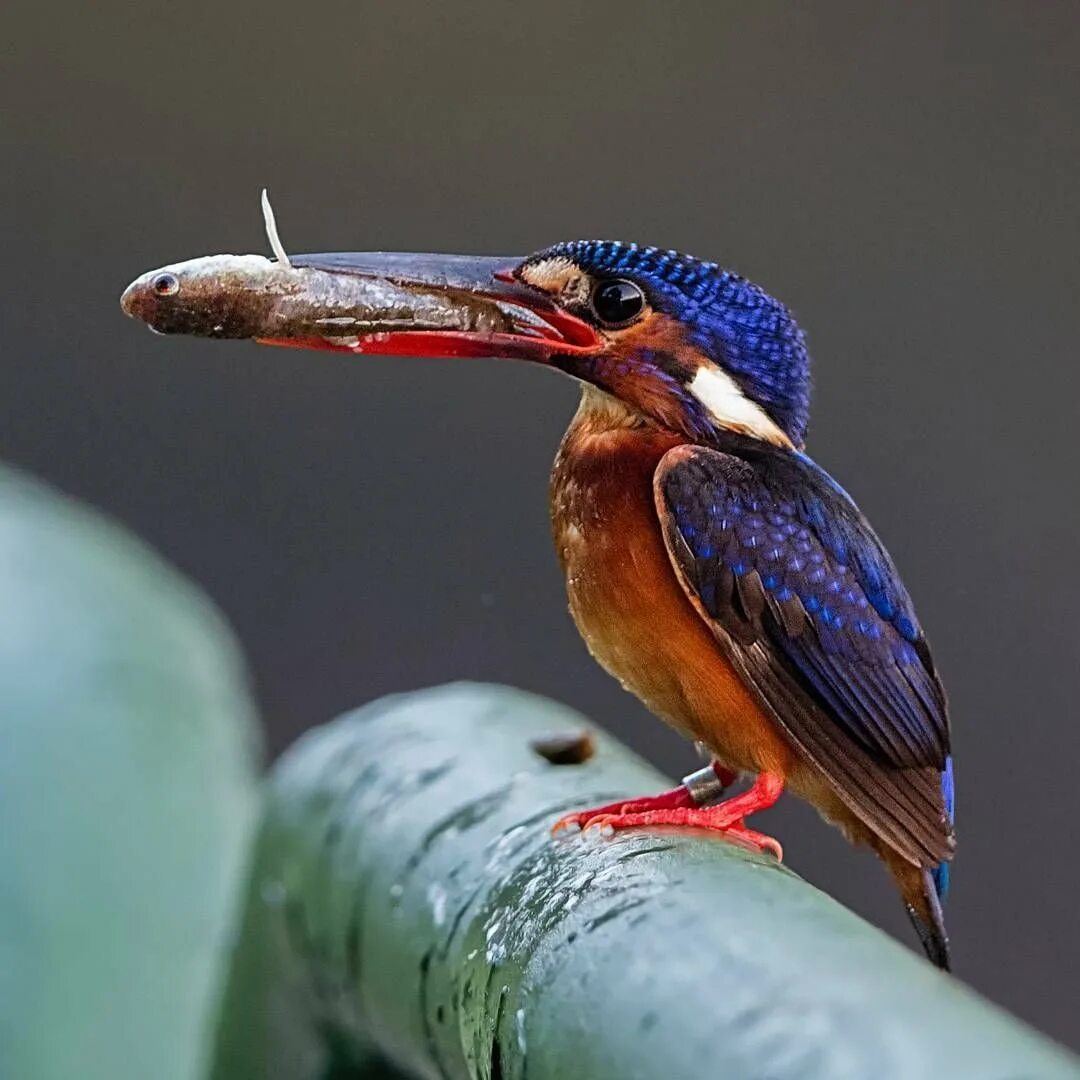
point(732, 409)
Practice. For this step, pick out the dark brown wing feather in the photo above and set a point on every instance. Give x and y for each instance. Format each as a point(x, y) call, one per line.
point(807, 606)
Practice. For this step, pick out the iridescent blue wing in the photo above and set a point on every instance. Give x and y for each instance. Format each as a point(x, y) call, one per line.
point(808, 606)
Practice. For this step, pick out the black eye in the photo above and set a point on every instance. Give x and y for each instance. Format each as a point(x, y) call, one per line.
point(617, 302)
point(166, 284)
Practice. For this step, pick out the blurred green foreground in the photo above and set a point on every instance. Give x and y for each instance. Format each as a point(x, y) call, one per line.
point(401, 898)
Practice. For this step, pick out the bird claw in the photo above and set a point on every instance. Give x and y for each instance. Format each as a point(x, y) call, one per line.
point(732, 829)
point(582, 819)
point(756, 841)
point(568, 823)
point(603, 823)
point(695, 788)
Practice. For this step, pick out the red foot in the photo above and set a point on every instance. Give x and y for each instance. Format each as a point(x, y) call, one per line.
point(666, 800)
point(726, 817)
point(680, 796)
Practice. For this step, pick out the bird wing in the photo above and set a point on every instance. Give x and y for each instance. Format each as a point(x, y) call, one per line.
point(808, 606)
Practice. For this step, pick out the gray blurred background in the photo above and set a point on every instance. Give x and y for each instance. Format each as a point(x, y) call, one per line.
point(904, 176)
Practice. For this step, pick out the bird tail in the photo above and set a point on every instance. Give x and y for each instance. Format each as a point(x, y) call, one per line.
point(924, 910)
point(940, 873)
point(924, 890)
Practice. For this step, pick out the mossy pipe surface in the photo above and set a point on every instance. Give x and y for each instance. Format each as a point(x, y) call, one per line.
point(128, 800)
point(408, 895)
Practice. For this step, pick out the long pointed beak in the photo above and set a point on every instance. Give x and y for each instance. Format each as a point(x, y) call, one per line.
point(513, 319)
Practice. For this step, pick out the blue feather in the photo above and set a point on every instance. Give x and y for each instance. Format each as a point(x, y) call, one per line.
point(948, 790)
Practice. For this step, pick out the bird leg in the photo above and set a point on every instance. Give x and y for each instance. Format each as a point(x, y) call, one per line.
point(697, 789)
point(726, 817)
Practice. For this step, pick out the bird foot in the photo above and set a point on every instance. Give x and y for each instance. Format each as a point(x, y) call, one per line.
point(582, 819)
point(682, 807)
point(712, 818)
point(695, 790)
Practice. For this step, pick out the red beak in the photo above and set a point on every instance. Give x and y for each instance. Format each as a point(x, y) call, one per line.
point(532, 326)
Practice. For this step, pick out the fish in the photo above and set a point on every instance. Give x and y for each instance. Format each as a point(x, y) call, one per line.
point(310, 301)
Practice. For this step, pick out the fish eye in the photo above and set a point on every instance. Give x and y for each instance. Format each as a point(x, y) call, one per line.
point(166, 284)
point(617, 302)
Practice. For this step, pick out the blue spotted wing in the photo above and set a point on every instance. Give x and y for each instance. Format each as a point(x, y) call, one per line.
point(808, 606)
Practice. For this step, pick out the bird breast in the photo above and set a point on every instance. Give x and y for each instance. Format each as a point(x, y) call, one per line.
point(624, 596)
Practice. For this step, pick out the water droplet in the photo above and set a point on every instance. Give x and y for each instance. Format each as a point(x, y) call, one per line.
point(436, 895)
point(273, 893)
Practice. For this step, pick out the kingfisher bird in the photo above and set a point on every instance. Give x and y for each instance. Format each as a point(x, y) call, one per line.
point(712, 566)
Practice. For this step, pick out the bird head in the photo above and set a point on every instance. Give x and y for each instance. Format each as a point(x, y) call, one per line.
point(680, 340)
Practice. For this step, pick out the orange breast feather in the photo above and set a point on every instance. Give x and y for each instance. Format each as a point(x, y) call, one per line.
point(626, 600)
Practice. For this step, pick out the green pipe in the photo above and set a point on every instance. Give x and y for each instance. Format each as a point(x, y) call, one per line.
point(128, 800)
point(409, 903)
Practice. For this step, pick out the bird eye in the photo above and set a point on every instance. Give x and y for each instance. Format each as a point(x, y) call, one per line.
point(166, 284)
point(617, 302)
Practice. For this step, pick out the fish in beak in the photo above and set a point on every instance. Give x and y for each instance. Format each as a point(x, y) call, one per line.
point(367, 302)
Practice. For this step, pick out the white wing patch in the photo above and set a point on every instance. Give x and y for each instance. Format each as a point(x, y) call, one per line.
point(731, 408)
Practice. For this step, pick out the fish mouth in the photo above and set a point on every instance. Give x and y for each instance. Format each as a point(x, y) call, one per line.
point(229, 296)
point(134, 301)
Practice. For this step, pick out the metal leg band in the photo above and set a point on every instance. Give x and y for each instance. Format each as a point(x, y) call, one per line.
point(704, 785)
